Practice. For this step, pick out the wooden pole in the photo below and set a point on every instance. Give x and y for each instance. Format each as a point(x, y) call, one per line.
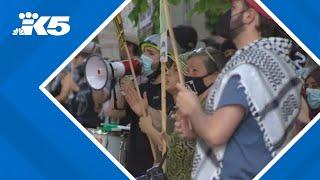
point(163, 60)
point(173, 40)
point(174, 46)
point(124, 43)
point(163, 108)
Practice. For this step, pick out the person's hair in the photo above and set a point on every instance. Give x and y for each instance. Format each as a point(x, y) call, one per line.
point(213, 59)
point(186, 37)
point(212, 43)
point(315, 75)
point(266, 26)
point(135, 48)
point(279, 32)
point(223, 25)
point(83, 54)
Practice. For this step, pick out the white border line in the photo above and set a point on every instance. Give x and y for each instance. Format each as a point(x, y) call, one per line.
point(286, 148)
point(315, 119)
point(63, 65)
point(106, 22)
point(288, 31)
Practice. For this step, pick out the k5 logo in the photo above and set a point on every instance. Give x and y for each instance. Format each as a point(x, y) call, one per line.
point(57, 26)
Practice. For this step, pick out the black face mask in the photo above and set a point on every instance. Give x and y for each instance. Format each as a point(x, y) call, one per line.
point(196, 84)
point(226, 45)
point(234, 30)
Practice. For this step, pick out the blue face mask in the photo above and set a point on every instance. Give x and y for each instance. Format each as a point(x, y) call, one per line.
point(147, 65)
point(313, 98)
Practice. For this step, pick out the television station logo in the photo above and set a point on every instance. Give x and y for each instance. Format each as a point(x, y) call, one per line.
point(32, 22)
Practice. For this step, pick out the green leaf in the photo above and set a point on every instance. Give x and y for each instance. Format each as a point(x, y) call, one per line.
point(212, 9)
point(174, 2)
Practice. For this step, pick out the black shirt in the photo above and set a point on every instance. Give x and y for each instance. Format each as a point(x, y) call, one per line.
point(82, 107)
point(140, 154)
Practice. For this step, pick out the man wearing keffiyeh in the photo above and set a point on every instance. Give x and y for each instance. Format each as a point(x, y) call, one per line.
point(252, 106)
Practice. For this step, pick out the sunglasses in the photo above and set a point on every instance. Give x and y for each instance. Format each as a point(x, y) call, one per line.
point(205, 50)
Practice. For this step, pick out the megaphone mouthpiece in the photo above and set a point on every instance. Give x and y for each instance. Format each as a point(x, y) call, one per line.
point(136, 66)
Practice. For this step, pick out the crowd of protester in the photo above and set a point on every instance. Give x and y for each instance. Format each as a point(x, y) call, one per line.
point(245, 97)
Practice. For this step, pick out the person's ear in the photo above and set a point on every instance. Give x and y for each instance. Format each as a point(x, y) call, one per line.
point(249, 16)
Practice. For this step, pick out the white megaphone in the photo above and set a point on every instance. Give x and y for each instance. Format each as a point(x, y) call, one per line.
point(100, 72)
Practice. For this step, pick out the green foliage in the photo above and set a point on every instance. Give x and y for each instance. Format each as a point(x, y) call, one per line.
point(211, 8)
point(156, 15)
point(214, 12)
point(140, 7)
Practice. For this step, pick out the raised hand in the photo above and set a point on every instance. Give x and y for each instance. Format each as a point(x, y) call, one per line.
point(181, 126)
point(145, 124)
point(68, 86)
point(187, 102)
point(164, 138)
point(133, 99)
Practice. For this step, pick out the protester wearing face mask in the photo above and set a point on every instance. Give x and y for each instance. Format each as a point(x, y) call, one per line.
point(140, 156)
point(150, 57)
point(201, 74)
point(246, 121)
point(308, 70)
point(313, 92)
point(200, 71)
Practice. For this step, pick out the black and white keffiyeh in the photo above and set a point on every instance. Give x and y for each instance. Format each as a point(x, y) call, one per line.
point(273, 94)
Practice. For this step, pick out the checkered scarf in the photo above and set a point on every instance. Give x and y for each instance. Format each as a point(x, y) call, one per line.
point(273, 94)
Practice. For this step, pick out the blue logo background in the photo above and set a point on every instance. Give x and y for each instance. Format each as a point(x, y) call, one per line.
point(302, 18)
point(36, 139)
